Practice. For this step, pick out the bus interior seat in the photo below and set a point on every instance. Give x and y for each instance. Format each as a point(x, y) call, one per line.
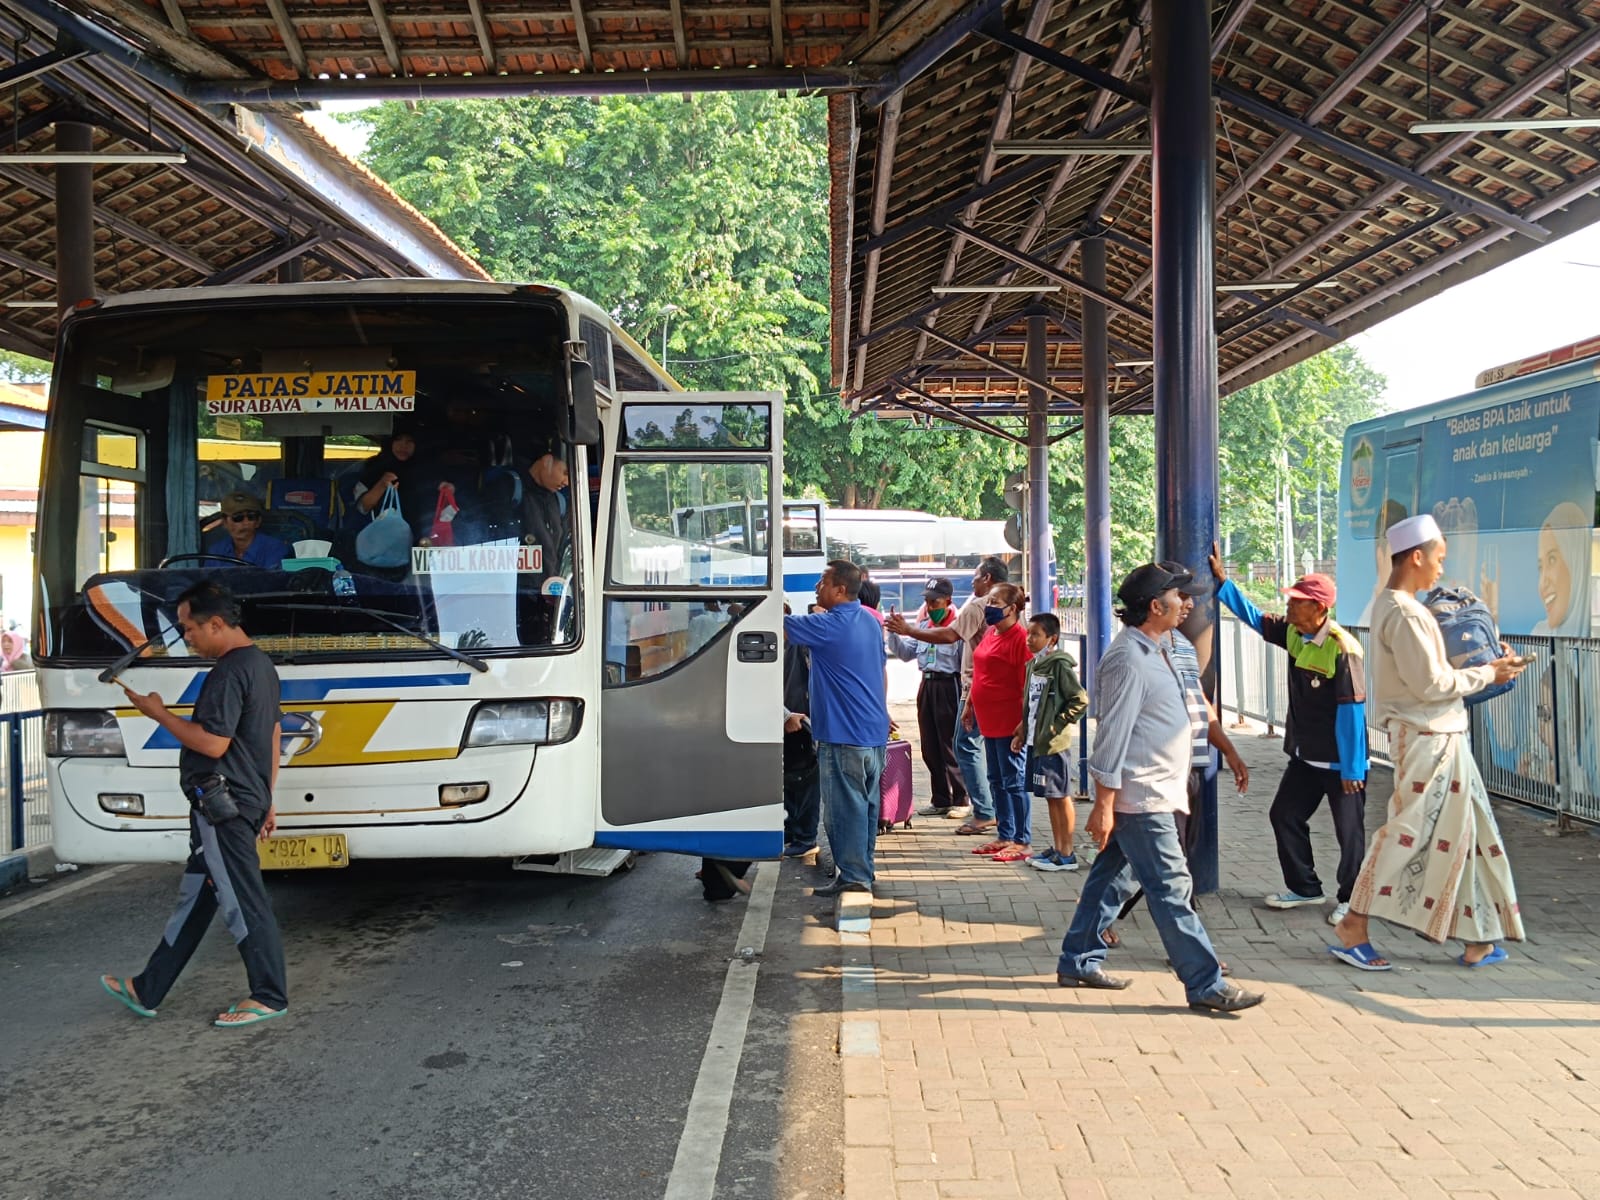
point(316, 499)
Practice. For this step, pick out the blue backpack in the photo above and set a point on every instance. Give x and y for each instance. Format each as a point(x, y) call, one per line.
point(1470, 636)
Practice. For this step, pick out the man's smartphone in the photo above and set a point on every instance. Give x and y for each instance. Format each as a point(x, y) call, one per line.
point(1521, 660)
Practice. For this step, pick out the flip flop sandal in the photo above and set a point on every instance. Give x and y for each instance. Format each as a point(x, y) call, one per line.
point(252, 1017)
point(1011, 856)
point(1362, 957)
point(972, 827)
point(989, 848)
point(1110, 939)
point(118, 993)
point(1497, 955)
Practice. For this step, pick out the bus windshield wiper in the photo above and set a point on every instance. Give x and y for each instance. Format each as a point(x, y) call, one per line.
point(109, 675)
point(471, 660)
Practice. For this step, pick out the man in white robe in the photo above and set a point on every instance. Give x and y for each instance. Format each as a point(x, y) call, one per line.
point(1438, 865)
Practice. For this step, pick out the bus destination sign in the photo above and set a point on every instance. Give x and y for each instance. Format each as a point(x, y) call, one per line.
point(311, 392)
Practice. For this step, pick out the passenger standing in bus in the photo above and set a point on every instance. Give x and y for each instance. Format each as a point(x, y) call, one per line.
point(938, 696)
point(969, 752)
point(849, 719)
point(1437, 865)
point(233, 737)
point(999, 683)
point(1325, 735)
point(545, 506)
point(395, 466)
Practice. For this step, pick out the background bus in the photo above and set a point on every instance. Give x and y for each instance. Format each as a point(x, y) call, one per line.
point(903, 549)
point(494, 686)
point(1510, 473)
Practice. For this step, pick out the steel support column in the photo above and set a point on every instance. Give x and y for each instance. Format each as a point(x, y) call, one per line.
point(74, 217)
point(1183, 134)
point(1096, 464)
point(1039, 548)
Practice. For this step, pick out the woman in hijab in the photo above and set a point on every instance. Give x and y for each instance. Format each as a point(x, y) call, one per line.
point(14, 652)
point(1564, 572)
point(392, 467)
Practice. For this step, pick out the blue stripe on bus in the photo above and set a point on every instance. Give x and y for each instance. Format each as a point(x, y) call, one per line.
point(298, 691)
point(801, 581)
point(301, 691)
point(742, 845)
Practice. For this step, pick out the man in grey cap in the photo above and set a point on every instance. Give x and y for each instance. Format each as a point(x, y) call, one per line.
point(1140, 765)
point(938, 697)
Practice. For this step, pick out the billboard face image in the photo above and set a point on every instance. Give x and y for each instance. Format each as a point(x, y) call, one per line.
point(1513, 487)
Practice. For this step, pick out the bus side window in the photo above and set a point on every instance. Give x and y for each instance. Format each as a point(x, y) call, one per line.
point(111, 489)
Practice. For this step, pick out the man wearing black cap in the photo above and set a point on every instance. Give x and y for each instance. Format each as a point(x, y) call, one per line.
point(1140, 764)
point(938, 698)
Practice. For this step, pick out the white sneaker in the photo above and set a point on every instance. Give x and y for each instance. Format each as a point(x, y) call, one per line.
point(1283, 900)
point(1340, 911)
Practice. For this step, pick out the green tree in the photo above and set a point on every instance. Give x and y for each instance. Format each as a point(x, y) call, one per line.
point(701, 224)
point(16, 367)
point(1290, 428)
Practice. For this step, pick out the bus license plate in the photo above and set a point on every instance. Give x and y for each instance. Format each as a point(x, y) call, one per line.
point(314, 850)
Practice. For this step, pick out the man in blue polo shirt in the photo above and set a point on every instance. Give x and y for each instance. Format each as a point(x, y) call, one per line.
point(849, 719)
point(240, 536)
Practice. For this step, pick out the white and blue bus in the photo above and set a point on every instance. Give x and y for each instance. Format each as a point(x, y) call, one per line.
point(903, 549)
point(498, 689)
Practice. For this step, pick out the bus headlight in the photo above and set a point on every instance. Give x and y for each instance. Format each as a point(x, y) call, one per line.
point(524, 722)
point(82, 733)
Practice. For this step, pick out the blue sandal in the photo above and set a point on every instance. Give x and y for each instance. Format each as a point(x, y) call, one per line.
point(1362, 957)
point(1496, 955)
point(252, 1016)
point(119, 992)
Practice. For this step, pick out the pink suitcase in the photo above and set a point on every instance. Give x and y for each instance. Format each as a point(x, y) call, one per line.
point(895, 788)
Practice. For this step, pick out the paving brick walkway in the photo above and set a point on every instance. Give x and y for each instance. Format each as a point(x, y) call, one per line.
point(968, 1072)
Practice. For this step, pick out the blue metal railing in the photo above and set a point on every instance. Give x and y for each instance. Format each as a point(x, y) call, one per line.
point(25, 815)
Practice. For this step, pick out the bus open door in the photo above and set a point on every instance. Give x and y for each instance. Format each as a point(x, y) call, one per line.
point(691, 730)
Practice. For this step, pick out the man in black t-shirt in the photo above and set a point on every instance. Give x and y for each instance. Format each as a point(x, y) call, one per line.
point(233, 733)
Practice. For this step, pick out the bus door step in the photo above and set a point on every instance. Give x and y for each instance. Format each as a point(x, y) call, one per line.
point(596, 860)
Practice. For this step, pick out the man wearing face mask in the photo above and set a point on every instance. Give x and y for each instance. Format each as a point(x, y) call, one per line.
point(938, 697)
point(1325, 735)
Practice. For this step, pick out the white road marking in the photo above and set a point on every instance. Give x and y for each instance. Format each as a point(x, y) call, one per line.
point(57, 891)
point(694, 1170)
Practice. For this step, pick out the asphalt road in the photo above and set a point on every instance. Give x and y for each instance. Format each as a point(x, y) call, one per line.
point(455, 1030)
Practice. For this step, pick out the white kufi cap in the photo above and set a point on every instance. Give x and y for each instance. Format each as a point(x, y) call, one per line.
point(1413, 532)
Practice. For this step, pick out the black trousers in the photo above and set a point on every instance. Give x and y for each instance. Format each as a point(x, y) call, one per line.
point(938, 709)
point(223, 872)
point(1300, 791)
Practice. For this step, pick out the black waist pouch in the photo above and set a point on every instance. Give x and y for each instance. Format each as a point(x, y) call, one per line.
point(212, 796)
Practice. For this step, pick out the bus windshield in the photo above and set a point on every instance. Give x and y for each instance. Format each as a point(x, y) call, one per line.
point(364, 474)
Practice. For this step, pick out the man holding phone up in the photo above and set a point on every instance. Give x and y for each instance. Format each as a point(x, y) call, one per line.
point(234, 735)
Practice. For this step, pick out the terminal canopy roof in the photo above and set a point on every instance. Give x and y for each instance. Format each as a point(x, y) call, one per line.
point(951, 125)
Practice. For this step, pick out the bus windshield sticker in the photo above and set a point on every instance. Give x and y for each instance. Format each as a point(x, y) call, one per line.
point(311, 392)
point(468, 560)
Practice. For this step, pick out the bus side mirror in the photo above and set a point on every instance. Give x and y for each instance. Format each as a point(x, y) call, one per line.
point(583, 416)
